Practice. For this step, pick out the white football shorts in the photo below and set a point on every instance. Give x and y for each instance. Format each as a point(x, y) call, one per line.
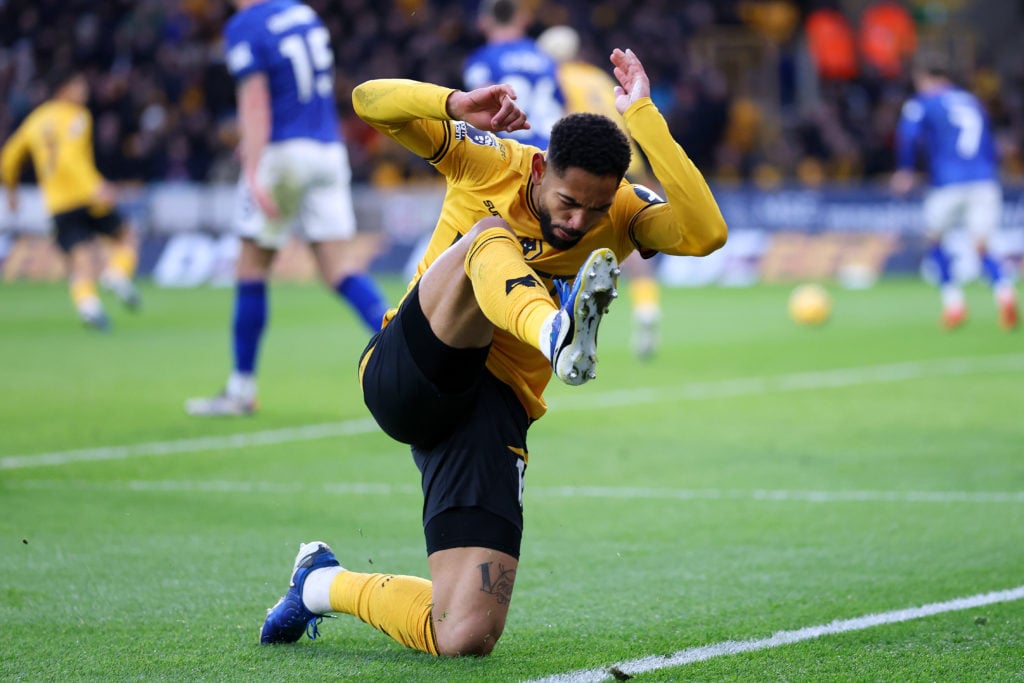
point(311, 183)
point(976, 206)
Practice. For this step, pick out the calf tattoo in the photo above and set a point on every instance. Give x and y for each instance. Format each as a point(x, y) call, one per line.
point(501, 585)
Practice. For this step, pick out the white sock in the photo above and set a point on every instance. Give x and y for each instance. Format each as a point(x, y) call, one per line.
point(242, 385)
point(544, 343)
point(952, 296)
point(90, 307)
point(646, 314)
point(1004, 292)
point(316, 592)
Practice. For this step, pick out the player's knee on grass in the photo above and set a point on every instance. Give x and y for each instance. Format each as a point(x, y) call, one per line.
point(473, 636)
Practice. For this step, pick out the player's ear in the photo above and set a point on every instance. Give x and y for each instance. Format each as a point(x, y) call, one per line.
point(537, 167)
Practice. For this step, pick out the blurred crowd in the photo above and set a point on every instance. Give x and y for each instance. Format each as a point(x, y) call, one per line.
point(767, 91)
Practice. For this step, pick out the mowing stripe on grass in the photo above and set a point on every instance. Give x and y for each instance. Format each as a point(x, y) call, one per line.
point(598, 492)
point(733, 647)
point(801, 381)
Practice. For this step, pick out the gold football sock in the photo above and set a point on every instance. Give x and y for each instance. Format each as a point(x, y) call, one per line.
point(84, 295)
point(643, 293)
point(509, 292)
point(123, 260)
point(400, 606)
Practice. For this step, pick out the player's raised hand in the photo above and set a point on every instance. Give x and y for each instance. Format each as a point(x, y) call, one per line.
point(633, 81)
point(490, 108)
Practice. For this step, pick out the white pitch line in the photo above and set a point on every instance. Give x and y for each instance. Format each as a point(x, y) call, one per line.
point(204, 443)
point(750, 386)
point(533, 492)
point(779, 638)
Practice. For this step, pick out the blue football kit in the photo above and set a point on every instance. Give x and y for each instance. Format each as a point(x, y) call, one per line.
point(951, 128)
point(304, 168)
point(534, 77)
point(286, 40)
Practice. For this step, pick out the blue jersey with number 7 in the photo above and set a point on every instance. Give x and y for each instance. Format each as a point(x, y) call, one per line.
point(951, 128)
point(286, 41)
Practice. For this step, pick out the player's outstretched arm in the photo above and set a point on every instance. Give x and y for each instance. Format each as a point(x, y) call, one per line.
point(691, 223)
point(490, 108)
point(633, 82)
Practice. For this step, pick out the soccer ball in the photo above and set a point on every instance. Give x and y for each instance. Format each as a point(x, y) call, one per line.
point(809, 304)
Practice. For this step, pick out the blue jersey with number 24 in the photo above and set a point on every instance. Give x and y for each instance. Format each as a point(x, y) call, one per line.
point(286, 41)
point(534, 77)
point(952, 129)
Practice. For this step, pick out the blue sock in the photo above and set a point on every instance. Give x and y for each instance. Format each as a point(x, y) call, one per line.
point(365, 296)
point(941, 259)
point(249, 321)
point(991, 267)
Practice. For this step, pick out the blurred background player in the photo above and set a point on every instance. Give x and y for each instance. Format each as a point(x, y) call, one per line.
point(510, 56)
point(295, 177)
point(588, 88)
point(950, 126)
point(58, 137)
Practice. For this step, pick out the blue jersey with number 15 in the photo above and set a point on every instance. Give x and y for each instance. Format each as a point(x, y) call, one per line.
point(286, 41)
point(951, 127)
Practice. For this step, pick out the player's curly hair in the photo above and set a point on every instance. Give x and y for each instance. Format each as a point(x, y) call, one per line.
point(591, 142)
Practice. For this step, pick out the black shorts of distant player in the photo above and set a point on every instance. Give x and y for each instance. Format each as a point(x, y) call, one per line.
point(466, 428)
point(82, 225)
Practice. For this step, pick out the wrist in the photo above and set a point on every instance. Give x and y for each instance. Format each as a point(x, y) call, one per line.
point(452, 106)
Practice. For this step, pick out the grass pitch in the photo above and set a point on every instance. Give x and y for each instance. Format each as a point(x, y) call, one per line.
point(755, 477)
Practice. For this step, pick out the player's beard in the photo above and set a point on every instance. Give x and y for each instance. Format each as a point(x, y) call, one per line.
point(547, 231)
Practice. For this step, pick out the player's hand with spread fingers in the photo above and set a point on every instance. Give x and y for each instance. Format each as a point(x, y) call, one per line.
point(490, 108)
point(633, 82)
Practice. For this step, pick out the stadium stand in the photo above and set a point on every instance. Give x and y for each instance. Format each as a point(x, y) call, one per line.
point(741, 83)
point(736, 79)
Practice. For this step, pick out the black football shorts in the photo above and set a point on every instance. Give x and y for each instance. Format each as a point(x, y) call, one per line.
point(466, 428)
point(82, 225)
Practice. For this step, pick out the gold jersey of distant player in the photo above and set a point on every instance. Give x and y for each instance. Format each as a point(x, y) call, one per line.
point(490, 176)
point(58, 136)
point(589, 88)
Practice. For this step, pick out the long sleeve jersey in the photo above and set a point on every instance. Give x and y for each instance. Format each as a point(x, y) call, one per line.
point(490, 176)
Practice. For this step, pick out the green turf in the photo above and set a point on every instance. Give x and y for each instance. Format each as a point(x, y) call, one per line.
point(669, 505)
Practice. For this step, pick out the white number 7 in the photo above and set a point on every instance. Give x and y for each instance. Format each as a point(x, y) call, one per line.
point(968, 121)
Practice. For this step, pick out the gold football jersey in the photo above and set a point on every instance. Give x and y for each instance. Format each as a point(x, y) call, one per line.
point(58, 136)
point(490, 176)
point(588, 88)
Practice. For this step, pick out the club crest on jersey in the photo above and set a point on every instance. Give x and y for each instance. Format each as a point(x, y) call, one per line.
point(532, 248)
point(647, 194)
point(464, 131)
point(525, 281)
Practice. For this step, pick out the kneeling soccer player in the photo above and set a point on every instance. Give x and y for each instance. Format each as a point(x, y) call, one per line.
point(458, 370)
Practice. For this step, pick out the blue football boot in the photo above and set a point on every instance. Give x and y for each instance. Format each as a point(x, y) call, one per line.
point(289, 618)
